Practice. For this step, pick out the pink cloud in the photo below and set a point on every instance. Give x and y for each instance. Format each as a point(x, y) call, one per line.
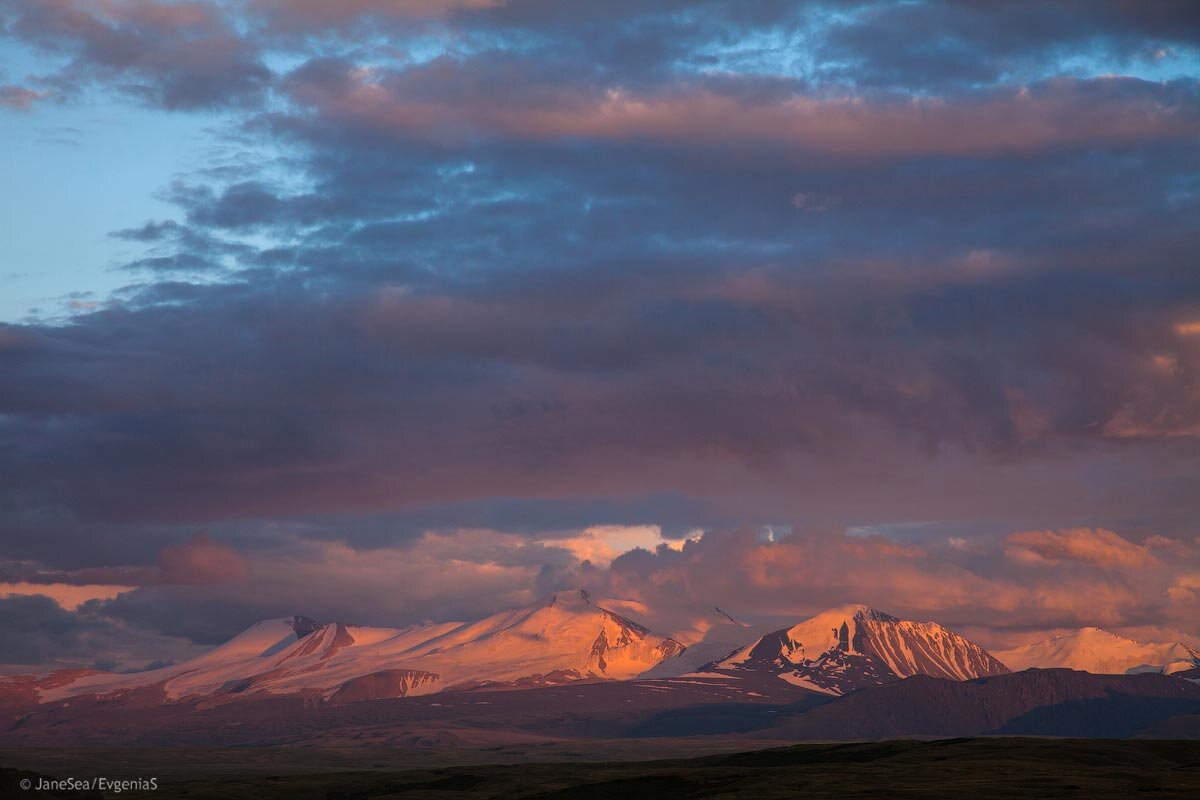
point(444, 101)
point(1062, 579)
point(1082, 577)
point(18, 98)
point(69, 596)
point(181, 55)
point(199, 560)
point(202, 560)
point(1087, 545)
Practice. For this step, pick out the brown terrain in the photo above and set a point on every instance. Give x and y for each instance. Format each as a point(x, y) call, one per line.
point(600, 734)
point(980, 769)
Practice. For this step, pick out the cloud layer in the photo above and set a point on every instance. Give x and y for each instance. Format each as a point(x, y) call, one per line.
point(1001, 590)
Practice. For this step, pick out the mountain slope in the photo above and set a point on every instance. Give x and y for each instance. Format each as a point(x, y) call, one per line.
point(1098, 651)
point(849, 647)
point(257, 649)
point(568, 638)
point(1054, 702)
point(713, 635)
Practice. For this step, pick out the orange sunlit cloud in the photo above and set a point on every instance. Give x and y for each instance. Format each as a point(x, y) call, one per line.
point(1092, 546)
point(600, 544)
point(66, 595)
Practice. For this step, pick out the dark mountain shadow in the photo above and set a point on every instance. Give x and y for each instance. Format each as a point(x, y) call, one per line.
point(1116, 716)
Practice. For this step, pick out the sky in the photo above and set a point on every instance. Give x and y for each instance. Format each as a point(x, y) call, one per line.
point(395, 311)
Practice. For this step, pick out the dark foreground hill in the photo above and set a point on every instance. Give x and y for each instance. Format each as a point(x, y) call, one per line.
point(1040, 702)
point(981, 769)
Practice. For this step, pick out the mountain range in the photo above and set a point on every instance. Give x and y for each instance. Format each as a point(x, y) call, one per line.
point(892, 673)
point(567, 638)
point(1098, 651)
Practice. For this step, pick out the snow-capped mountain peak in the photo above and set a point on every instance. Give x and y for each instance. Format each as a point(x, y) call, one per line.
point(1096, 650)
point(570, 635)
point(850, 646)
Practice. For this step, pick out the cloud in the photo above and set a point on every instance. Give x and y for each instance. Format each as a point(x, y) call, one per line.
point(600, 544)
point(945, 44)
point(43, 635)
point(1086, 545)
point(41, 630)
point(1095, 578)
point(1185, 589)
point(68, 595)
point(18, 98)
point(734, 386)
point(202, 560)
point(449, 100)
point(178, 56)
point(220, 49)
point(198, 560)
point(1080, 578)
point(310, 15)
point(446, 576)
point(507, 286)
point(1083, 578)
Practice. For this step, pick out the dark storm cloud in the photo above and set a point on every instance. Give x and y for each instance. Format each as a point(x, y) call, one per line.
point(259, 399)
point(199, 560)
point(38, 629)
point(40, 634)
